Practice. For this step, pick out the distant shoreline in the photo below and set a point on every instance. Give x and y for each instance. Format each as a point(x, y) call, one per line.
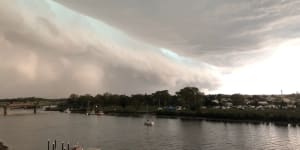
point(280, 117)
point(280, 123)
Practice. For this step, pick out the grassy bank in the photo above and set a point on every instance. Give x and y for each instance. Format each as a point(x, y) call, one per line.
point(269, 115)
point(289, 116)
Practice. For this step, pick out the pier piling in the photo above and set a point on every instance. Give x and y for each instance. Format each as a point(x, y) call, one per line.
point(34, 109)
point(55, 144)
point(48, 144)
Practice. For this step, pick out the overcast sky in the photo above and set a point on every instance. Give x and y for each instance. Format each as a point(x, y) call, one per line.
point(52, 48)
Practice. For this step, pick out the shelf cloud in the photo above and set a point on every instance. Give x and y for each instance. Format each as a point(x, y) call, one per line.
point(54, 48)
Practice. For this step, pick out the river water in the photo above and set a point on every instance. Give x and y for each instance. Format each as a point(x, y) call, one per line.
point(25, 131)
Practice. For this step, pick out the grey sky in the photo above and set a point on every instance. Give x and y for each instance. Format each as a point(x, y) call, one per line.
point(54, 48)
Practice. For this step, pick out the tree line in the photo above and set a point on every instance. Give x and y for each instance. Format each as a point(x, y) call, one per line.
point(188, 97)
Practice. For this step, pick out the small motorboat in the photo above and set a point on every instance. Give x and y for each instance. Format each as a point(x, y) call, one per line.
point(67, 111)
point(149, 123)
point(80, 148)
point(100, 113)
point(77, 147)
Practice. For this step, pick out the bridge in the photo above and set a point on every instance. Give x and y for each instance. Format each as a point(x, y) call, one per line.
point(19, 105)
point(27, 103)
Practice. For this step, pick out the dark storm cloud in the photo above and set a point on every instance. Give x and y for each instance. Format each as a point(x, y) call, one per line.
point(205, 30)
point(50, 51)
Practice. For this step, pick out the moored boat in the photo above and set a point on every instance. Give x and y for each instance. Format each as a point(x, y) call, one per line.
point(149, 123)
point(77, 147)
point(100, 113)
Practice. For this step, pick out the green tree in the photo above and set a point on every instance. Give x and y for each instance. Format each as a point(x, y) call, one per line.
point(191, 97)
point(72, 101)
point(137, 100)
point(124, 101)
point(238, 99)
point(162, 97)
point(99, 100)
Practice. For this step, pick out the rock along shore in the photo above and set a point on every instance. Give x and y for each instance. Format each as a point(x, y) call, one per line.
point(3, 147)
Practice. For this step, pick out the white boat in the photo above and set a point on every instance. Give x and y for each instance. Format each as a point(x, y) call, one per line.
point(67, 111)
point(149, 123)
point(77, 148)
point(80, 148)
point(100, 113)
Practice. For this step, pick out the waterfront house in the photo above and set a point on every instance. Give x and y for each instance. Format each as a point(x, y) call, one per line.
point(259, 108)
point(178, 108)
point(286, 100)
point(228, 104)
point(270, 106)
point(215, 102)
point(216, 107)
point(263, 103)
point(291, 106)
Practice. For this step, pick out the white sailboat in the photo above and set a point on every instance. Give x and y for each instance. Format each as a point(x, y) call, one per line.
point(67, 111)
point(148, 122)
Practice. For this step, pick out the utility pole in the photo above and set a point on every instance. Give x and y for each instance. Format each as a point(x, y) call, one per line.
point(5, 110)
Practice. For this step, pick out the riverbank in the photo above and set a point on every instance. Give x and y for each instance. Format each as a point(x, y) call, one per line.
point(232, 115)
point(3, 147)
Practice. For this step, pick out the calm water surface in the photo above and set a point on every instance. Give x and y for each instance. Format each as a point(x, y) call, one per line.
point(24, 131)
